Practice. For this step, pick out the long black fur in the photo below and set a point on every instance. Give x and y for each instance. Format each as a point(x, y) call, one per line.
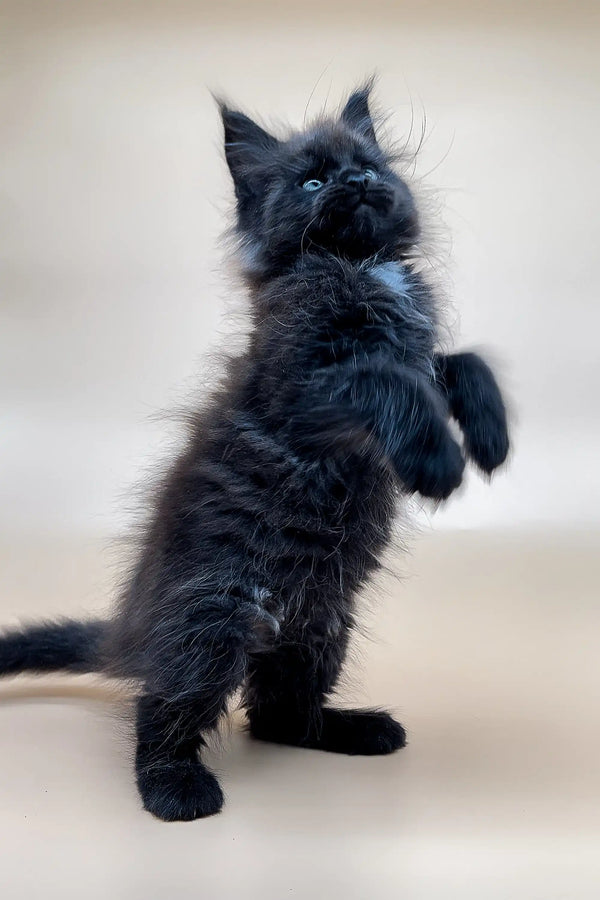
point(279, 508)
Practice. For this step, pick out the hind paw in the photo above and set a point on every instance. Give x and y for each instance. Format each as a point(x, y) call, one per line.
point(179, 791)
point(361, 732)
point(355, 732)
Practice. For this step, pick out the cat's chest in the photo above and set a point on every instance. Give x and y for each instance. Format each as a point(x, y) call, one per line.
point(394, 295)
point(392, 276)
point(385, 307)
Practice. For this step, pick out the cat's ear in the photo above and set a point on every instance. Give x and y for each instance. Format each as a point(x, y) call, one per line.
point(247, 145)
point(357, 115)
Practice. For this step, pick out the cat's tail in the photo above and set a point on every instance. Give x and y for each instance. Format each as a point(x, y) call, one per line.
point(66, 645)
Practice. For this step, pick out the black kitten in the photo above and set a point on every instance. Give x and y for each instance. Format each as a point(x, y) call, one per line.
point(282, 503)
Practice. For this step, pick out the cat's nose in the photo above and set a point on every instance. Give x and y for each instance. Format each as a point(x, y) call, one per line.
point(355, 179)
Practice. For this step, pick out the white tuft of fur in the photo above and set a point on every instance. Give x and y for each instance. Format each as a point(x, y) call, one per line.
point(392, 275)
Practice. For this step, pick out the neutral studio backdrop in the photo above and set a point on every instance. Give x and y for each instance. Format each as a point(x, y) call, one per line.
point(114, 194)
point(113, 197)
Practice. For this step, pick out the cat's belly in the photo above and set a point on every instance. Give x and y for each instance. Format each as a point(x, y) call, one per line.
point(331, 536)
point(307, 532)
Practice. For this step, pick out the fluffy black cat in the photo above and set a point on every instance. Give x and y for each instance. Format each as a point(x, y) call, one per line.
point(280, 506)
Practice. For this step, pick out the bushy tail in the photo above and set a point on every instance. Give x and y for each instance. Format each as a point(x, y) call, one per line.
point(53, 646)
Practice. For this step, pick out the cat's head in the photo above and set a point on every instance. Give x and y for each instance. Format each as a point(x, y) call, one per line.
point(328, 189)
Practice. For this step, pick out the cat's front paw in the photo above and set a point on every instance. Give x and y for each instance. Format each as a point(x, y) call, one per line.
point(477, 404)
point(433, 468)
point(486, 438)
point(441, 472)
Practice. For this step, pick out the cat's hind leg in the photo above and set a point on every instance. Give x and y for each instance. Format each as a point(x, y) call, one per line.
point(196, 667)
point(285, 694)
point(173, 783)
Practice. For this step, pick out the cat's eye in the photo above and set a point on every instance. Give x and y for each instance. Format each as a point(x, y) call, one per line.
point(370, 174)
point(313, 184)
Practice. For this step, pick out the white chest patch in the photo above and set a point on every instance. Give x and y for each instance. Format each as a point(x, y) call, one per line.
point(392, 275)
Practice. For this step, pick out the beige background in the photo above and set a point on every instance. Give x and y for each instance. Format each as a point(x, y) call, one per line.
point(113, 194)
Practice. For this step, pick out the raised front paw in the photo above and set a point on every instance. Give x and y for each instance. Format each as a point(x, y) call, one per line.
point(477, 404)
point(486, 438)
point(432, 464)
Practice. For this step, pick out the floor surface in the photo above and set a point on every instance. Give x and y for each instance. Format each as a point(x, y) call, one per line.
point(487, 649)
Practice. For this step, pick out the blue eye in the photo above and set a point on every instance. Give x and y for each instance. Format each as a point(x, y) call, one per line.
point(370, 174)
point(312, 185)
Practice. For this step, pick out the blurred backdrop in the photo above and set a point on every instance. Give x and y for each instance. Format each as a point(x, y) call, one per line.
point(113, 197)
point(114, 193)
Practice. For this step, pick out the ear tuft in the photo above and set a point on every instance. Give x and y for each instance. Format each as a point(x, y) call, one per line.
point(356, 112)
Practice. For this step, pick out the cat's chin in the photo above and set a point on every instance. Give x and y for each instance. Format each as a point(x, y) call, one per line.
point(357, 238)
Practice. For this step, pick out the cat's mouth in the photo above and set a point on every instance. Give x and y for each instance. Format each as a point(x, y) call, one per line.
point(346, 201)
point(378, 197)
point(357, 221)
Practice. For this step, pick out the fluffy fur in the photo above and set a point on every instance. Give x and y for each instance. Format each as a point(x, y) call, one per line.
point(282, 502)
